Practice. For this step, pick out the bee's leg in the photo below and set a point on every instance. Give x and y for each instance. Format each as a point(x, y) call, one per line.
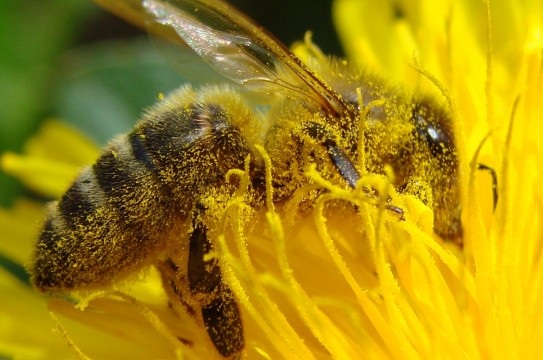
point(220, 312)
point(202, 294)
point(341, 161)
point(173, 281)
point(494, 182)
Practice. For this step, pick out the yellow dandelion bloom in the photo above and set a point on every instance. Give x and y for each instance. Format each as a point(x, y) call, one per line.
point(346, 280)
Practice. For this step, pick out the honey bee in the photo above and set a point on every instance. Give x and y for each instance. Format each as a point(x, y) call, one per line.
point(141, 202)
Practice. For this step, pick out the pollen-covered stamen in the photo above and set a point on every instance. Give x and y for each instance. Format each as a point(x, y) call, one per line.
point(343, 164)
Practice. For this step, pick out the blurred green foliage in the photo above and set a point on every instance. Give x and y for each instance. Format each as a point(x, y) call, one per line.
point(69, 59)
point(32, 34)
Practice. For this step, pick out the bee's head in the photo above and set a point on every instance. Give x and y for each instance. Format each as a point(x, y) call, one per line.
point(410, 133)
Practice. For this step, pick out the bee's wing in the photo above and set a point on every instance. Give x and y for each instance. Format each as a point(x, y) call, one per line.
point(231, 43)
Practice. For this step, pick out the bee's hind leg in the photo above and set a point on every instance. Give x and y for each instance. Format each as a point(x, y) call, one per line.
point(198, 287)
point(219, 310)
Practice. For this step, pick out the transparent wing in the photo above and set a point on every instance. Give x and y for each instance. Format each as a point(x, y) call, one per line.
point(233, 45)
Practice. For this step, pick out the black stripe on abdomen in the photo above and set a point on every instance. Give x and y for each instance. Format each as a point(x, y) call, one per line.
point(140, 152)
point(75, 205)
point(51, 258)
point(134, 191)
point(113, 175)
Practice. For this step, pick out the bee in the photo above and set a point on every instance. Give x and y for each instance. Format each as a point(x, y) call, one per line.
point(142, 202)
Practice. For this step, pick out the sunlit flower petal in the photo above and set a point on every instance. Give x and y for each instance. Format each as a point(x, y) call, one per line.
point(51, 159)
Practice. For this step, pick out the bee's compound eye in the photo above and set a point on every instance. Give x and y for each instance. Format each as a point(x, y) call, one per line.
point(431, 125)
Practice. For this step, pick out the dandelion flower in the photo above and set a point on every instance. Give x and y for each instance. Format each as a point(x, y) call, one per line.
point(343, 281)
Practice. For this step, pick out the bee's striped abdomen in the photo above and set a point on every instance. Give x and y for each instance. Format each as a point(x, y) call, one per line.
point(125, 209)
point(114, 217)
